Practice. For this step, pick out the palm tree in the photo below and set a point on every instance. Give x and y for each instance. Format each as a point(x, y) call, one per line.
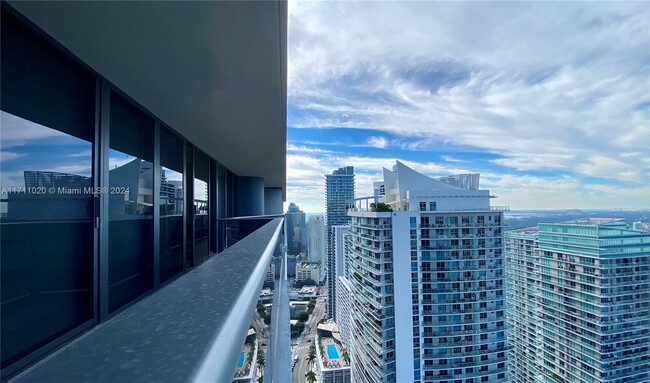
point(260, 359)
point(346, 357)
point(312, 356)
point(311, 376)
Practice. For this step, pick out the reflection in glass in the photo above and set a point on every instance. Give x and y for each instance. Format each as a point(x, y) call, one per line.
point(47, 235)
point(201, 205)
point(221, 206)
point(200, 196)
point(171, 204)
point(131, 186)
point(130, 247)
point(171, 192)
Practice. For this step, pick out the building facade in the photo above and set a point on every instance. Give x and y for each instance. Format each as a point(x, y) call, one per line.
point(98, 118)
point(316, 250)
point(339, 194)
point(343, 309)
point(427, 284)
point(296, 230)
point(522, 292)
point(308, 270)
point(593, 302)
point(340, 242)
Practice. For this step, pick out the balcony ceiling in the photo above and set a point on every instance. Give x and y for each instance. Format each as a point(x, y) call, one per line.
point(214, 71)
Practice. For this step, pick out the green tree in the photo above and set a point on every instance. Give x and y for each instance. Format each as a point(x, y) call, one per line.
point(311, 376)
point(380, 206)
point(261, 310)
point(346, 357)
point(297, 329)
point(260, 359)
point(311, 357)
point(303, 316)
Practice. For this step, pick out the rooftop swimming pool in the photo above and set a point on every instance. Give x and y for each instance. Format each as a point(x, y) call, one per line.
point(332, 352)
point(242, 358)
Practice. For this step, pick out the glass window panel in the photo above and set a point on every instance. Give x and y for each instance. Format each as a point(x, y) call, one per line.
point(200, 196)
point(47, 235)
point(221, 205)
point(46, 225)
point(171, 182)
point(201, 205)
point(130, 262)
point(171, 204)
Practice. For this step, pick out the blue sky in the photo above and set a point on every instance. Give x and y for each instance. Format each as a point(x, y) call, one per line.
point(549, 101)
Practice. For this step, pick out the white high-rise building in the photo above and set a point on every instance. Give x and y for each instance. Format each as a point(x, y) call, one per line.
point(340, 238)
point(343, 309)
point(316, 249)
point(427, 283)
point(523, 283)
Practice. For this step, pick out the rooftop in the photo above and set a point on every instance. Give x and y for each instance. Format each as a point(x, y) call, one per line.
point(594, 221)
point(331, 353)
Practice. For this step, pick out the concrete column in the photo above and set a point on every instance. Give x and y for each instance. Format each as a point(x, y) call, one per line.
point(273, 201)
point(250, 196)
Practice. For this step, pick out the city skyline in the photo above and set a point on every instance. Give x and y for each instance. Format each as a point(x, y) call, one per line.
point(552, 114)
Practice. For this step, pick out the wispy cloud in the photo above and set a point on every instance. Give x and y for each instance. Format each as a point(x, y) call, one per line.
point(571, 95)
point(8, 156)
point(451, 159)
point(377, 142)
point(305, 149)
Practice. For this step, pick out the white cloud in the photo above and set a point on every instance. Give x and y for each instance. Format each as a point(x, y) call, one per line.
point(17, 131)
point(452, 159)
point(557, 86)
point(8, 156)
point(377, 142)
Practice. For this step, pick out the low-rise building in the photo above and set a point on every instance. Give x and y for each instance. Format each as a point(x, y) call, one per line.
point(308, 270)
point(245, 371)
point(332, 360)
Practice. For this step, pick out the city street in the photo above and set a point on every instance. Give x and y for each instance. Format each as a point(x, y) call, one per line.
point(306, 340)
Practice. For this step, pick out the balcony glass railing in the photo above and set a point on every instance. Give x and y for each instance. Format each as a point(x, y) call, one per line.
point(191, 330)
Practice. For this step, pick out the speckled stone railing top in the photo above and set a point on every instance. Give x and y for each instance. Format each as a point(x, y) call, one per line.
point(182, 332)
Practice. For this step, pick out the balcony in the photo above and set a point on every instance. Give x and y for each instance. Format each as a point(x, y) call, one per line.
point(190, 330)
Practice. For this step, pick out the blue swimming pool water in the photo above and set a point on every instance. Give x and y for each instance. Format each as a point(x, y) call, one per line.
point(242, 357)
point(332, 353)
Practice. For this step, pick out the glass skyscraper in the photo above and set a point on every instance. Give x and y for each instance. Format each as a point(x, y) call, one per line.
point(591, 301)
point(339, 194)
point(296, 230)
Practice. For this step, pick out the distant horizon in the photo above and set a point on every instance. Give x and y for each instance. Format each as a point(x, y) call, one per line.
point(307, 214)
